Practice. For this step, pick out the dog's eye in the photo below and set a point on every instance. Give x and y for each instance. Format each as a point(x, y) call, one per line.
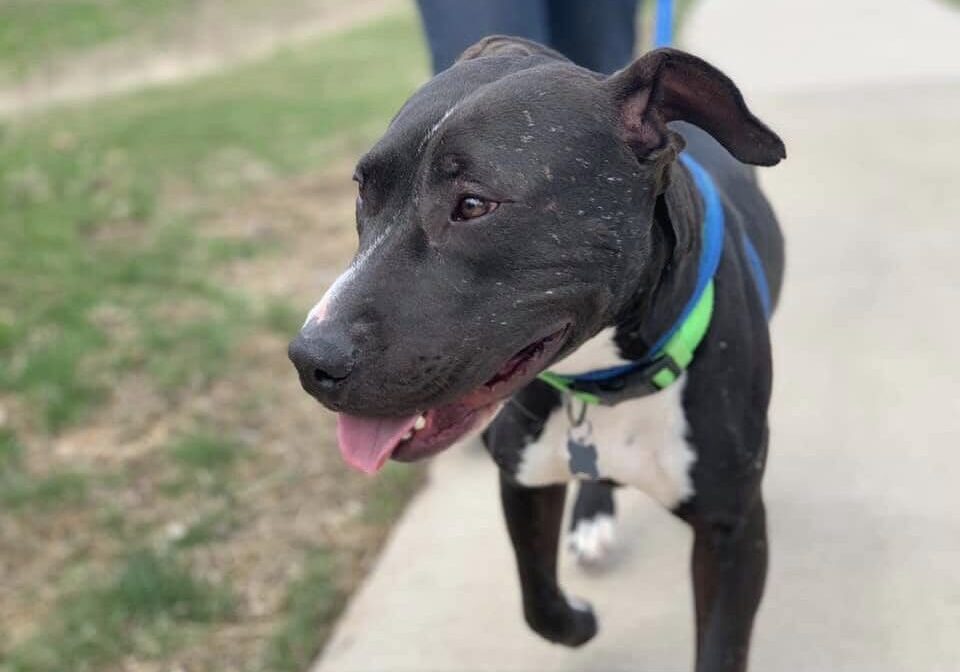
point(471, 207)
point(358, 178)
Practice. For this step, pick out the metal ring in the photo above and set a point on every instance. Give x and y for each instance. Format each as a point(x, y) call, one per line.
point(568, 405)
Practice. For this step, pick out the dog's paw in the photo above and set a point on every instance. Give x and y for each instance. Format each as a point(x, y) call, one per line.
point(567, 621)
point(592, 539)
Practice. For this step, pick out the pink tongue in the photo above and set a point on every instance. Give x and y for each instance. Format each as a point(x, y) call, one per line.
point(366, 443)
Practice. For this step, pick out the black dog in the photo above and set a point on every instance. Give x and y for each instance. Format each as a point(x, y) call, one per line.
point(522, 213)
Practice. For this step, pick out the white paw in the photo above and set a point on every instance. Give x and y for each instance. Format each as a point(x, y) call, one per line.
point(577, 604)
point(593, 539)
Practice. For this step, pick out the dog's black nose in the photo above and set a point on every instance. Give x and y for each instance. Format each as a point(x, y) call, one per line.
point(324, 360)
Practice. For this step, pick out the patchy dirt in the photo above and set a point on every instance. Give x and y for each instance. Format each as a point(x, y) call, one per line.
point(288, 492)
point(311, 219)
point(214, 35)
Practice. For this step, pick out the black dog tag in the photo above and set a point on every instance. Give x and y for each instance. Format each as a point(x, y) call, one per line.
point(582, 452)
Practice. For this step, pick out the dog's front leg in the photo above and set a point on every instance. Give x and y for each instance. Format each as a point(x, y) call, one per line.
point(534, 517)
point(729, 569)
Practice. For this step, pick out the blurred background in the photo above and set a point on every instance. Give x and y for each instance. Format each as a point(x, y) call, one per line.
point(175, 194)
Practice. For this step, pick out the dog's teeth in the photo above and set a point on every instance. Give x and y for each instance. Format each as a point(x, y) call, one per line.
point(407, 436)
point(420, 423)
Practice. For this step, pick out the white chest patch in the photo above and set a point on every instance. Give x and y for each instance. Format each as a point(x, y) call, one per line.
point(597, 353)
point(641, 443)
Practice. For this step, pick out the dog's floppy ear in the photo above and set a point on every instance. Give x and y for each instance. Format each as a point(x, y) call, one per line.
point(670, 85)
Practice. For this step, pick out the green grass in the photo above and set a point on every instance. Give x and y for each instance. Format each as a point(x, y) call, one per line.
point(142, 610)
point(11, 451)
point(34, 31)
point(311, 603)
point(20, 489)
point(282, 317)
point(210, 527)
point(107, 270)
point(101, 204)
point(313, 600)
point(205, 451)
point(204, 465)
point(391, 491)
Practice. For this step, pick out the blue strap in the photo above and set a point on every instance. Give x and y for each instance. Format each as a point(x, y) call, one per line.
point(713, 231)
point(663, 37)
point(713, 226)
point(663, 27)
point(759, 275)
point(713, 234)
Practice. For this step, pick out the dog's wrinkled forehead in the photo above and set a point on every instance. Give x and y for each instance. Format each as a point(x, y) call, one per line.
point(479, 87)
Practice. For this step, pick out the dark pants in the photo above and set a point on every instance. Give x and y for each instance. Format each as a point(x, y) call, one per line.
point(597, 34)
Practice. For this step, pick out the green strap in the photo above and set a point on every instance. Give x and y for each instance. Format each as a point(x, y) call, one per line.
point(560, 383)
point(683, 344)
point(679, 349)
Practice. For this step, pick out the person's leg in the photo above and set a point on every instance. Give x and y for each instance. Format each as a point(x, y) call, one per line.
point(453, 25)
point(597, 35)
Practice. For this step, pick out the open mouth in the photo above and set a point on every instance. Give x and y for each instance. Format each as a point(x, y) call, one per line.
point(367, 443)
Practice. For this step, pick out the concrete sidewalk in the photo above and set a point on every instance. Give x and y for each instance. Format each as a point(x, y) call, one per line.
point(865, 450)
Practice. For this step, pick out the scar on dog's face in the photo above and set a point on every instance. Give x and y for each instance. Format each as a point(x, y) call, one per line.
point(502, 219)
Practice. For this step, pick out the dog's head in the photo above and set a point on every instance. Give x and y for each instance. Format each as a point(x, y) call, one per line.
point(503, 219)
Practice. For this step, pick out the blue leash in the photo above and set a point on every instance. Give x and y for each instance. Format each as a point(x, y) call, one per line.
point(663, 25)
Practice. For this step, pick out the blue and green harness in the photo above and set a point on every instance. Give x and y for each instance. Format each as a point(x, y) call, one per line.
point(673, 351)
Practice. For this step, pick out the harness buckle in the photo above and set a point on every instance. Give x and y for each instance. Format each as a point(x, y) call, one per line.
point(639, 382)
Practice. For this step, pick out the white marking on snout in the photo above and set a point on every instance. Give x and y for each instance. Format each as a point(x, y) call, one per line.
point(641, 442)
point(320, 309)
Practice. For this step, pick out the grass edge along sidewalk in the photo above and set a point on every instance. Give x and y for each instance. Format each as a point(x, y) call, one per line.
point(107, 273)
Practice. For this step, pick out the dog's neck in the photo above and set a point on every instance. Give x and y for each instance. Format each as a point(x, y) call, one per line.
point(671, 277)
point(657, 298)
